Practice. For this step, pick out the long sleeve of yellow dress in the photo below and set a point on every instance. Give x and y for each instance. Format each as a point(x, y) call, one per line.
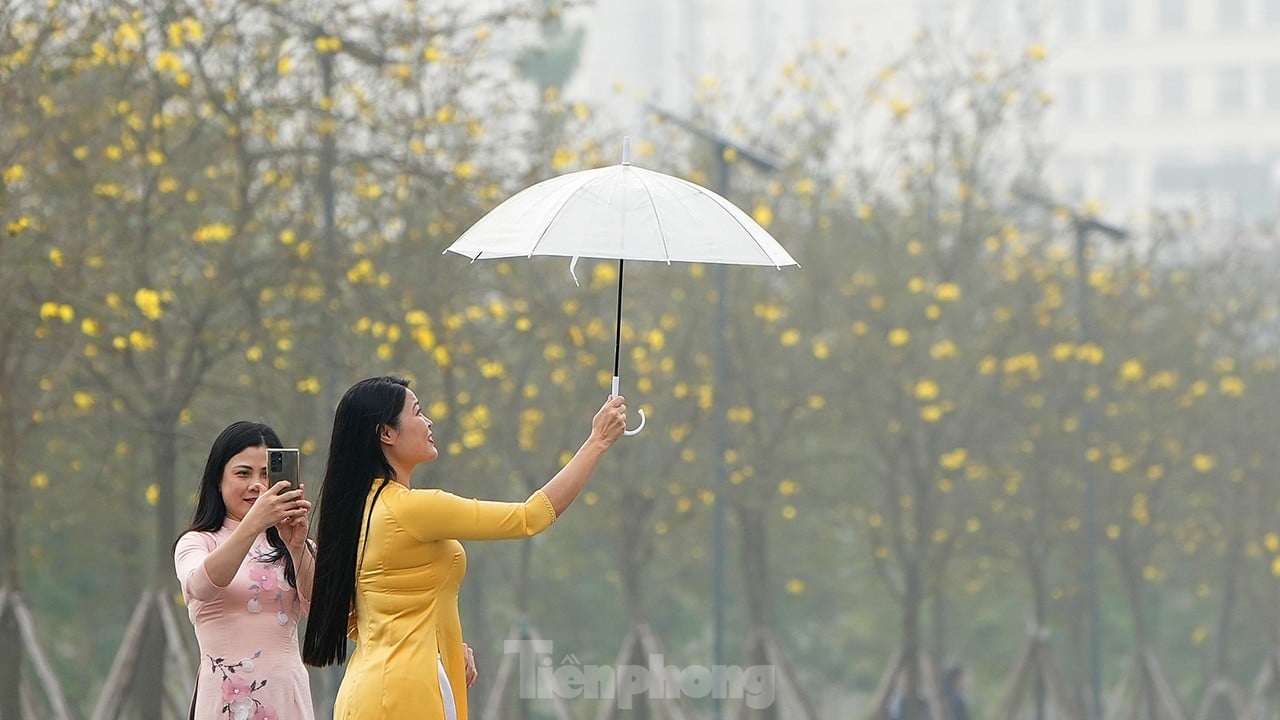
point(406, 604)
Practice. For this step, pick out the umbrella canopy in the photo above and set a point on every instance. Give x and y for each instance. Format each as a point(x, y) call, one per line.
point(624, 213)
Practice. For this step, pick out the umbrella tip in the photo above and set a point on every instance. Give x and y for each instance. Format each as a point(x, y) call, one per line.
point(626, 150)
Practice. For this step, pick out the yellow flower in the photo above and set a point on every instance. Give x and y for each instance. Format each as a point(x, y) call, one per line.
point(1090, 353)
point(943, 349)
point(153, 494)
point(1037, 51)
point(954, 460)
point(1231, 385)
point(168, 62)
point(1131, 370)
point(947, 292)
point(899, 337)
point(562, 159)
point(763, 215)
point(926, 390)
point(148, 301)
point(127, 36)
point(1203, 463)
point(795, 586)
point(217, 232)
point(193, 29)
point(328, 44)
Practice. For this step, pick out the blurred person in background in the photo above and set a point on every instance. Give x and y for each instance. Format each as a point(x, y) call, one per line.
point(246, 568)
point(390, 565)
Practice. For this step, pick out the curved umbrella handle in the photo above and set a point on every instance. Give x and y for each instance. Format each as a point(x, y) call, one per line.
point(639, 427)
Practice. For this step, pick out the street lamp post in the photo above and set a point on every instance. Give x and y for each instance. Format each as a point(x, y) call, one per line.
point(1083, 225)
point(720, 184)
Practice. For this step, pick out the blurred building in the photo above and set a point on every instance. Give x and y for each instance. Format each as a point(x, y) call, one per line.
point(1170, 103)
point(1160, 104)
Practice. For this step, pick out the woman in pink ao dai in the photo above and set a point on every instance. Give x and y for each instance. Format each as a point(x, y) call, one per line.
point(246, 569)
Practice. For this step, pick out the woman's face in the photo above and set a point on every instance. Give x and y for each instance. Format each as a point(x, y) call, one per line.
point(411, 443)
point(244, 477)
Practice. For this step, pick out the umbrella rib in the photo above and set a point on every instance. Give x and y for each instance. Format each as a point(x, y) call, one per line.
point(662, 237)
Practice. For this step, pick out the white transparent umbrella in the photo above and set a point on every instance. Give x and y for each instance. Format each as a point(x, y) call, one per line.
point(625, 213)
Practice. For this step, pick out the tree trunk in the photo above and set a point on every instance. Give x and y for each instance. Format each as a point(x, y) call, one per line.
point(755, 580)
point(1220, 652)
point(755, 566)
point(10, 660)
point(1040, 600)
point(1148, 693)
point(165, 455)
point(913, 702)
point(938, 621)
point(149, 693)
point(149, 680)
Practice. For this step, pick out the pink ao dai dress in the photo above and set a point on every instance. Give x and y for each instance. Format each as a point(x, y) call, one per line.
point(250, 664)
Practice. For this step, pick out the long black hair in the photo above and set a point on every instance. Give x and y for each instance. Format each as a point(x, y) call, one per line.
point(211, 511)
point(355, 461)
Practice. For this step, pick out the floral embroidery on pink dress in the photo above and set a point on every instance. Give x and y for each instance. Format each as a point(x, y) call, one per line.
point(268, 578)
point(237, 692)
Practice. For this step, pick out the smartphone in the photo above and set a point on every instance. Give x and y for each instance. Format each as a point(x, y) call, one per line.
point(282, 464)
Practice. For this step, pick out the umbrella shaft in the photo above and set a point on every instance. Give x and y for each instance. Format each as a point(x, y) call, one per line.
point(617, 336)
